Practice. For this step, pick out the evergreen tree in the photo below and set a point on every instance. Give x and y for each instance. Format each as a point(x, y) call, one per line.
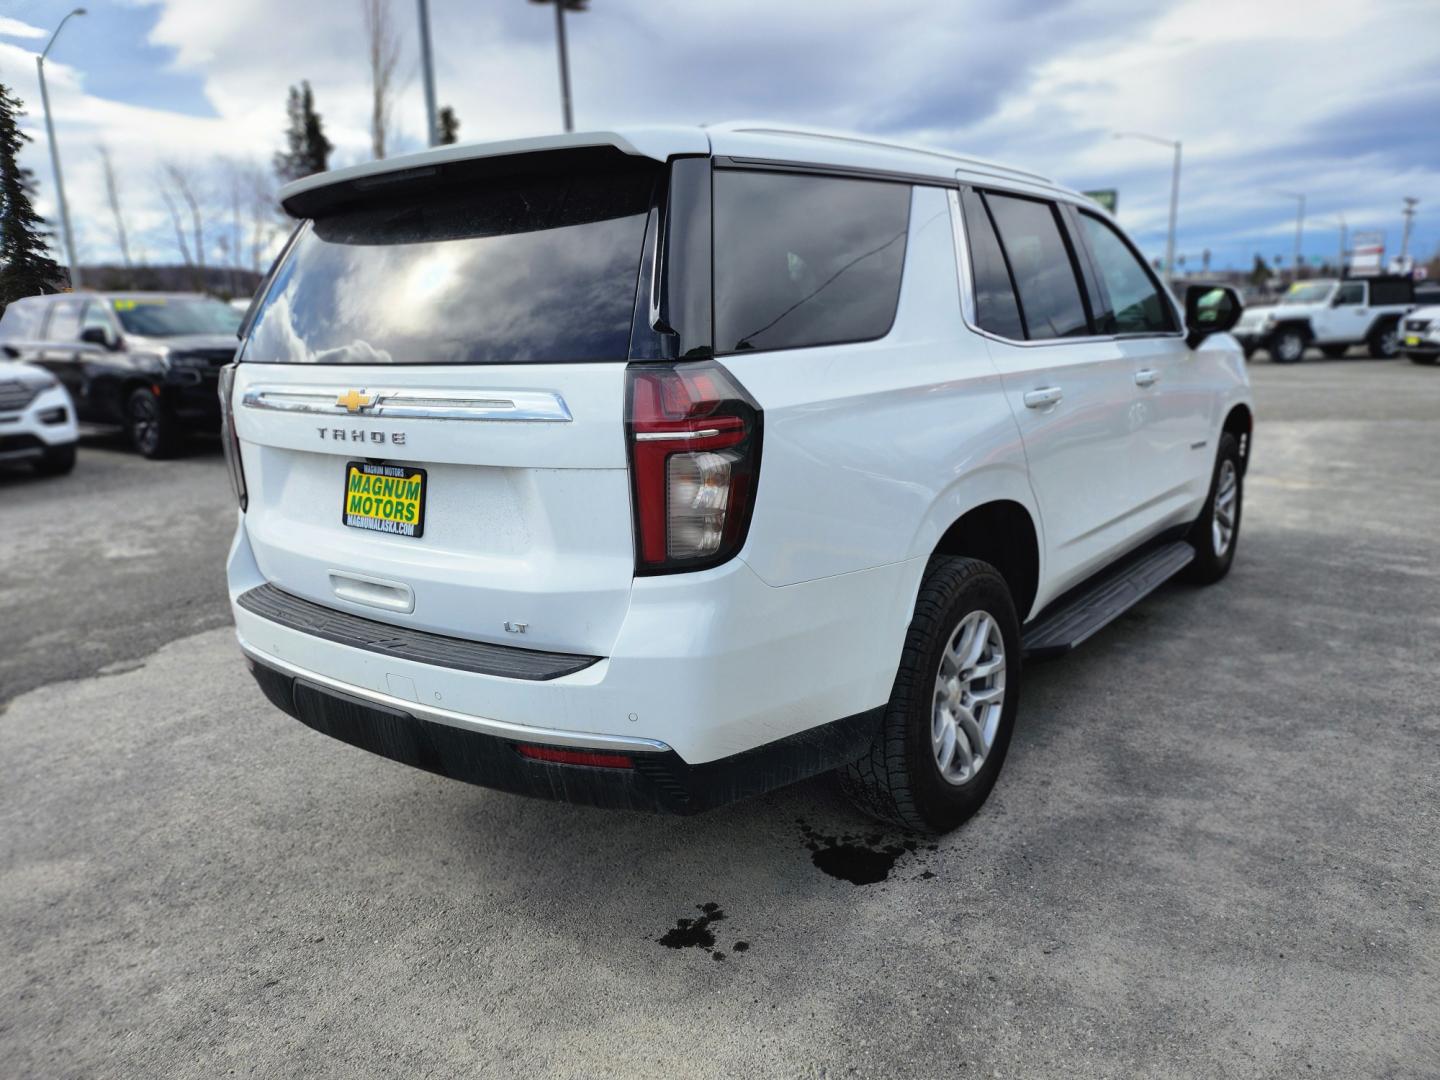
point(25, 266)
point(307, 150)
point(1259, 273)
point(449, 126)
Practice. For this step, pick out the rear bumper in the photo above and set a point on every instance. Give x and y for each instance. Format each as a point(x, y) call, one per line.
point(654, 777)
point(710, 666)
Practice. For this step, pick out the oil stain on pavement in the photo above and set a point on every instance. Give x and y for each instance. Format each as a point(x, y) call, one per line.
point(699, 933)
point(860, 860)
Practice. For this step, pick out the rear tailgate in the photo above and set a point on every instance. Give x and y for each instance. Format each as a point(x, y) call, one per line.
point(476, 338)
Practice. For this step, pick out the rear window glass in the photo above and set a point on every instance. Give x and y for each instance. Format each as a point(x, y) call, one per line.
point(518, 272)
point(21, 320)
point(1049, 292)
point(805, 260)
point(995, 307)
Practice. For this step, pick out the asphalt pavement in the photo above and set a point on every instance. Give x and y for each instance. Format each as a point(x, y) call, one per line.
point(1214, 850)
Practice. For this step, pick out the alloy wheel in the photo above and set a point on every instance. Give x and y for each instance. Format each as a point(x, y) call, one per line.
point(1227, 499)
point(144, 423)
point(969, 697)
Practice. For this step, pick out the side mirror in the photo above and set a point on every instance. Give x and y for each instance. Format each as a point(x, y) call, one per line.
point(97, 335)
point(1210, 309)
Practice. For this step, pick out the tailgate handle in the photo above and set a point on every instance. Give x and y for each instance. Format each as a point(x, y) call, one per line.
point(372, 592)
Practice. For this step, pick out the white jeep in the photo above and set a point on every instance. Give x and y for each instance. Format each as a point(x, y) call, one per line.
point(1331, 315)
point(661, 467)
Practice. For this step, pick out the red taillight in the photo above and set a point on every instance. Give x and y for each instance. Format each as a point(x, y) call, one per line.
point(694, 437)
point(594, 758)
point(228, 439)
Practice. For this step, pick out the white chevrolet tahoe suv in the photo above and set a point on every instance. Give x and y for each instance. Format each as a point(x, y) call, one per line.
point(1332, 316)
point(663, 467)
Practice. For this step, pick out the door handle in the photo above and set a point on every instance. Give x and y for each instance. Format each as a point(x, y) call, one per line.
point(1038, 399)
point(1146, 377)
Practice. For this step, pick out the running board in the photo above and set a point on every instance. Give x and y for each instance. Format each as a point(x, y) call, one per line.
point(1095, 606)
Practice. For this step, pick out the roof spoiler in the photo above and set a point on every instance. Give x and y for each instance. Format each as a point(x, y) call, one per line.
point(325, 193)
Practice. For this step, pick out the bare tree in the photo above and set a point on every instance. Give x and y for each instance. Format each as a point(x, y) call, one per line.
point(178, 186)
point(112, 192)
point(383, 41)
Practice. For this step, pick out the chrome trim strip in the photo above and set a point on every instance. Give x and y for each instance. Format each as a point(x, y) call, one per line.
point(484, 725)
point(392, 404)
point(666, 436)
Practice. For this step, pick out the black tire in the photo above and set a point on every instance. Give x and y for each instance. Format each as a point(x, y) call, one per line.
point(58, 461)
point(1248, 350)
point(899, 780)
point(1384, 341)
point(1334, 352)
point(1422, 358)
point(1286, 346)
point(1211, 565)
point(152, 429)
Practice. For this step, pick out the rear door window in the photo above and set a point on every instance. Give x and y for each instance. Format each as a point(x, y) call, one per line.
point(806, 260)
point(1050, 298)
point(995, 307)
point(512, 272)
point(1135, 305)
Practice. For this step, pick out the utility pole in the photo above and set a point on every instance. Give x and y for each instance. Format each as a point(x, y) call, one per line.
point(55, 154)
point(1409, 215)
point(1174, 193)
point(427, 65)
point(1299, 230)
point(561, 6)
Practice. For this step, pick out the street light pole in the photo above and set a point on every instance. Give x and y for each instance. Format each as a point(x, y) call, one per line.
point(1174, 193)
point(428, 66)
point(55, 153)
point(561, 6)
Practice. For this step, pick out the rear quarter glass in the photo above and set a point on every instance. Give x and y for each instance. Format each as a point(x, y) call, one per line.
point(530, 271)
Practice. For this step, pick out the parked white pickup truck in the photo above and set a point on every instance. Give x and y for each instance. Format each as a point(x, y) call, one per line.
point(1331, 315)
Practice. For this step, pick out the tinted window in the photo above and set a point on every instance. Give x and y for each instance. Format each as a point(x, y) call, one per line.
point(64, 321)
point(995, 307)
point(1135, 304)
point(21, 320)
point(1352, 293)
point(172, 316)
point(805, 260)
point(512, 272)
point(1049, 294)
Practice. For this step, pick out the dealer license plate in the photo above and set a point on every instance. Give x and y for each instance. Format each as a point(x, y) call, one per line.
point(1412, 341)
point(384, 498)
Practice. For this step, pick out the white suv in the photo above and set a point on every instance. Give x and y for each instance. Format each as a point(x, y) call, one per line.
point(664, 467)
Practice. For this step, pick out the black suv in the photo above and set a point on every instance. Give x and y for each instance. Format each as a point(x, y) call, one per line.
point(147, 361)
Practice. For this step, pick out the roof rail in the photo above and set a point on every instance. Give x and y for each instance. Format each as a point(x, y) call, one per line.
point(762, 128)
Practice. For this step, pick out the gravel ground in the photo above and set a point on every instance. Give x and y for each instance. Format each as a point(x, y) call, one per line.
point(1215, 849)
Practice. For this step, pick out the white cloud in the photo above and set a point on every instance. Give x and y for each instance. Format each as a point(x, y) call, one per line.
point(15, 28)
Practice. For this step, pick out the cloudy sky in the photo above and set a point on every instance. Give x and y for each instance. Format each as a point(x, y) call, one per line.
point(1338, 99)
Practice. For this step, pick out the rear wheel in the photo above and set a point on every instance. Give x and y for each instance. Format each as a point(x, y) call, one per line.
point(1287, 346)
point(1384, 342)
point(58, 460)
point(1334, 352)
point(153, 431)
point(951, 712)
point(1217, 530)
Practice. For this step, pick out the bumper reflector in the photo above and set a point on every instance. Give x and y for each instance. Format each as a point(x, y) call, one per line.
point(595, 758)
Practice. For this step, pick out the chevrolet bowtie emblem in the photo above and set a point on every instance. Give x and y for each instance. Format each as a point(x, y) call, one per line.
point(354, 400)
